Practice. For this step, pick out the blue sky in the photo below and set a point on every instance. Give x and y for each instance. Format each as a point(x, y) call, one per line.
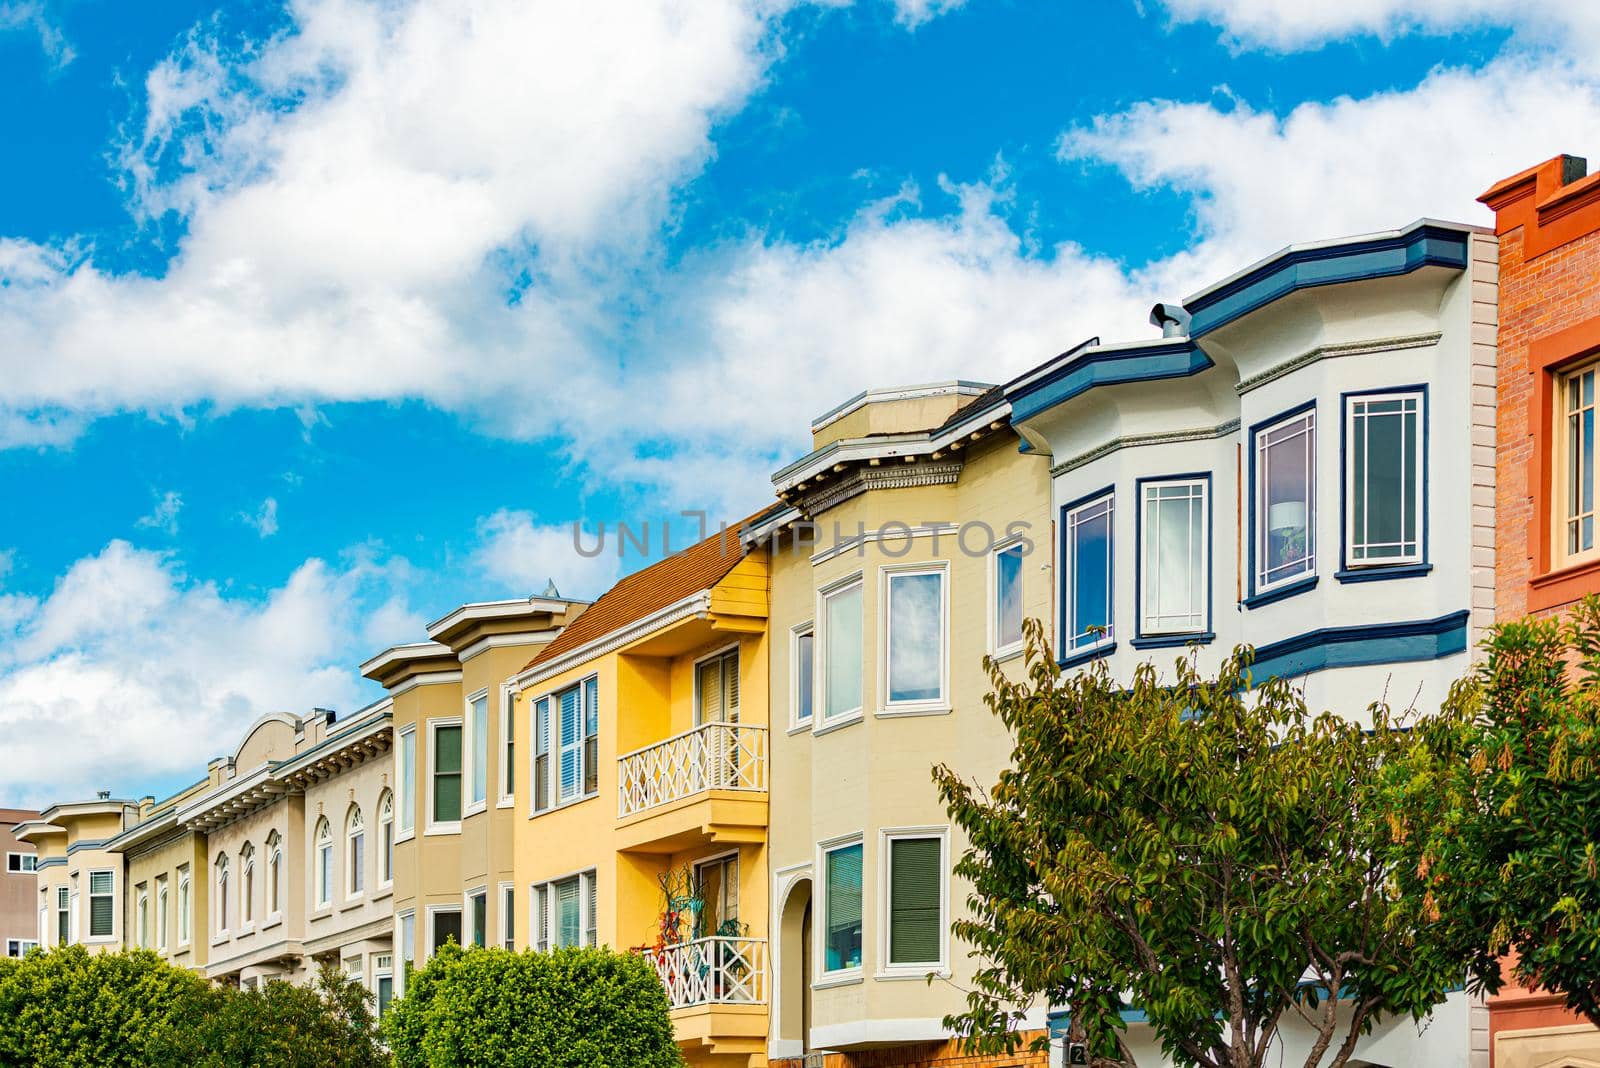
point(319, 319)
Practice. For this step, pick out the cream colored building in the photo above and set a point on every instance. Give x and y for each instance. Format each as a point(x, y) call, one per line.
point(914, 541)
point(80, 880)
point(456, 771)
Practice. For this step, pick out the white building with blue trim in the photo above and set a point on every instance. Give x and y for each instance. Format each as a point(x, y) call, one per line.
point(1303, 463)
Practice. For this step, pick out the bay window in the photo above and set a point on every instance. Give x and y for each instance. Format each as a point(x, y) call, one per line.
point(1086, 544)
point(102, 911)
point(444, 782)
point(841, 652)
point(1006, 611)
point(1174, 556)
point(1384, 479)
point(406, 780)
point(916, 900)
point(478, 717)
point(914, 625)
point(1284, 465)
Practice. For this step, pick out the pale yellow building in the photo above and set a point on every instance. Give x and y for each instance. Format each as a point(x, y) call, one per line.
point(642, 819)
point(915, 539)
point(80, 881)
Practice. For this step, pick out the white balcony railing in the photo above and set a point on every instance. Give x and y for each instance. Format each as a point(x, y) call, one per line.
point(715, 756)
point(713, 971)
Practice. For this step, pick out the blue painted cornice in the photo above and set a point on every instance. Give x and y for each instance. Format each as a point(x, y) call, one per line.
point(1177, 358)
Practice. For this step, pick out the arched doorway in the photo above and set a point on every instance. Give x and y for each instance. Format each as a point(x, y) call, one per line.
point(793, 1007)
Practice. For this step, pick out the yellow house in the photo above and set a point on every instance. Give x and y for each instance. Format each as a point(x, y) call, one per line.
point(80, 880)
point(642, 819)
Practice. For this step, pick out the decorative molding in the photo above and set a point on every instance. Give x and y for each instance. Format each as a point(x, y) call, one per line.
point(1129, 441)
point(1347, 348)
point(1379, 643)
point(427, 678)
point(865, 479)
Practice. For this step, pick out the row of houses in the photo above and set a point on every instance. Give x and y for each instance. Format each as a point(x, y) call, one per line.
point(1349, 455)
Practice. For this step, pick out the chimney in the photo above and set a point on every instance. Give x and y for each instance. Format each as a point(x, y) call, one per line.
point(1553, 203)
point(1171, 318)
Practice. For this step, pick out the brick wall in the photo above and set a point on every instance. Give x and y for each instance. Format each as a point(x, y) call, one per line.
point(927, 1055)
point(1548, 222)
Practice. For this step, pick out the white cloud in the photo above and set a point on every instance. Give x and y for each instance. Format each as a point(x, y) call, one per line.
point(264, 521)
point(913, 13)
point(164, 517)
point(30, 16)
point(1286, 25)
point(523, 555)
point(131, 670)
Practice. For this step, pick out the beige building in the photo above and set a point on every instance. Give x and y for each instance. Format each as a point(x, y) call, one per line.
point(80, 881)
point(19, 922)
point(456, 772)
point(915, 540)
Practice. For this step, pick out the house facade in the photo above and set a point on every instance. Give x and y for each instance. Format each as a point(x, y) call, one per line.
point(1548, 222)
point(912, 542)
point(641, 819)
point(19, 923)
point(1304, 463)
point(80, 882)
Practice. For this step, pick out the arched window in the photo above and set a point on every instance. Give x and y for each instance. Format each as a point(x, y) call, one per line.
point(247, 884)
point(185, 917)
point(355, 836)
point(161, 914)
point(274, 874)
point(222, 894)
point(386, 839)
point(324, 863)
point(144, 920)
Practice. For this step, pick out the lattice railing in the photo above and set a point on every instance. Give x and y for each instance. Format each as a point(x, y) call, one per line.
point(715, 756)
point(724, 971)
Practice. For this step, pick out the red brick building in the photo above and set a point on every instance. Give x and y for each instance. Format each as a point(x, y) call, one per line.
point(1547, 543)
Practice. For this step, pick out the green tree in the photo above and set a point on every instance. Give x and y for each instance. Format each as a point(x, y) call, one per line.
point(1208, 847)
point(569, 1008)
point(1496, 811)
point(71, 1009)
point(326, 1025)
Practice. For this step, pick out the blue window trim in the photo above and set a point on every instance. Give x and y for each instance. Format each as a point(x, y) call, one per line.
point(1107, 367)
point(1166, 641)
point(1372, 643)
point(1252, 598)
point(1381, 572)
point(1078, 656)
point(1084, 656)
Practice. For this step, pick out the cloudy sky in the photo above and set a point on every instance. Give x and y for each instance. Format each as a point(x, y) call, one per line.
point(318, 319)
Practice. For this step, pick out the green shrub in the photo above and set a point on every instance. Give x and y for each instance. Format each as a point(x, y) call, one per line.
point(570, 1008)
point(68, 1009)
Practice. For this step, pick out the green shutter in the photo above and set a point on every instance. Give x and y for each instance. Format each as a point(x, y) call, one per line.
point(914, 884)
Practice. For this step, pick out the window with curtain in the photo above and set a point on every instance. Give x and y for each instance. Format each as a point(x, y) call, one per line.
point(841, 652)
point(386, 838)
point(447, 773)
point(1173, 565)
point(1383, 479)
point(406, 774)
point(1006, 621)
point(801, 667)
point(541, 754)
point(1285, 500)
point(916, 629)
point(222, 894)
point(355, 854)
point(1086, 543)
point(842, 908)
point(916, 917)
point(247, 883)
point(1575, 463)
point(564, 912)
point(717, 689)
point(479, 712)
point(324, 863)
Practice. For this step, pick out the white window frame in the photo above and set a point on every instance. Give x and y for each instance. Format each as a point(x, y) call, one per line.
point(113, 934)
point(22, 863)
point(20, 947)
point(355, 873)
point(446, 826)
point(508, 915)
point(1200, 591)
point(185, 907)
point(1417, 507)
point(275, 887)
point(1560, 507)
point(819, 926)
point(1258, 491)
point(1018, 544)
point(221, 873)
point(322, 864)
point(541, 801)
point(481, 890)
point(405, 777)
point(433, 913)
point(141, 921)
point(886, 579)
point(508, 747)
point(554, 800)
point(1076, 640)
point(386, 840)
point(247, 879)
point(821, 722)
point(162, 930)
point(542, 916)
point(919, 970)
point(402, 921)
point(74, 922)
point(470, 756)
point(808, 629)
point(63, 907)
point(696, 706)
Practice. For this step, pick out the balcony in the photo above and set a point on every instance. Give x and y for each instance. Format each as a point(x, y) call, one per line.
point(705, 785)
point(713, 971)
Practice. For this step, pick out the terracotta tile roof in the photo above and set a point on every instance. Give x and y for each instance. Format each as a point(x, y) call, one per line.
point(697, 568)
